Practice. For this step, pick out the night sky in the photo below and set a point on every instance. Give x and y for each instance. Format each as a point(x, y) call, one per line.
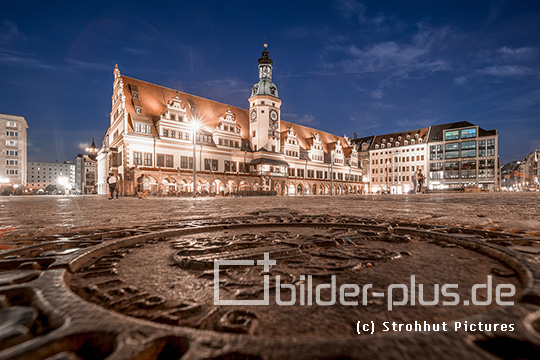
point(370, 67)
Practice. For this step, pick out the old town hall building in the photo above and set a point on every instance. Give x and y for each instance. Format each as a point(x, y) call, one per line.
point(236, 150)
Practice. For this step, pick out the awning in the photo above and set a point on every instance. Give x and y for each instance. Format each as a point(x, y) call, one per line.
point(267, 161)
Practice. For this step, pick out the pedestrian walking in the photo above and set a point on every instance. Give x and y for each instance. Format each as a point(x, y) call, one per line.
point(414, 181)
point(146, 186)
point(112, 180)
point(140, 186)
point(420, 178)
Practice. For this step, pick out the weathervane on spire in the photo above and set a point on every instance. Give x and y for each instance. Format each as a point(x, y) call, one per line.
point(265, 43)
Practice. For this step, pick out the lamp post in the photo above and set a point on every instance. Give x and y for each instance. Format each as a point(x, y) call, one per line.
point(386, 190)
point(195, 125)
point(396, 164)
point(332, 173)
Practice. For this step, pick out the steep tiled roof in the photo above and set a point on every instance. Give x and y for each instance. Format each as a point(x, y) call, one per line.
point(385, 139)
point(368, 140)
point(153, 100)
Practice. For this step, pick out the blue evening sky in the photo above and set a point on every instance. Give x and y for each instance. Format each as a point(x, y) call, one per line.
point(343, 66)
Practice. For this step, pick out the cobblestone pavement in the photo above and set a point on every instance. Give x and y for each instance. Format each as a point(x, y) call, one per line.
point(91, 278)
point(34, 216)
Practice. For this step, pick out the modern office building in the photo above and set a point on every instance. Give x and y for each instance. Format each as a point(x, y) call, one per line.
point(234, 150)
point(463, 155)
point(13, 157)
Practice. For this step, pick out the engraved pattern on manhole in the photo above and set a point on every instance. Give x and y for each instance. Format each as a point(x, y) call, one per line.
point(171, 281)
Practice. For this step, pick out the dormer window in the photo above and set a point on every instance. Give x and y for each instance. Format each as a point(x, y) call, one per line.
point(138, 110)
point(413, 142)
point(408, 137)
point(382, 146)
point(135, 95)
point(419, 141)
point(376, 146)
point(416, 136)
point(391, 139)
point(399, 138)
point(397, 143)
point(383, 141)
point(143, 128)
point(405, 143)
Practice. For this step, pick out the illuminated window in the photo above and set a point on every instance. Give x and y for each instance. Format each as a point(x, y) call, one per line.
point(468, 133)
point(451, 135)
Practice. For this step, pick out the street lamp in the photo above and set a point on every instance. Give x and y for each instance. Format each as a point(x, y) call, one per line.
point(397, 167)
point(92, 150)
point(332, 173)
point(386, 162)
point(195, 124)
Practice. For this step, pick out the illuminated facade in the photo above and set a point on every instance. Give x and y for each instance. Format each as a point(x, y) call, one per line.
point(44, 174)
point(236, 150)
point(394, 158)
point(13, 156)
point(463, 155)
point(85, 174)
point(451, 156)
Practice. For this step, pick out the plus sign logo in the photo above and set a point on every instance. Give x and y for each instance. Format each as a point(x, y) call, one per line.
point(266, 263)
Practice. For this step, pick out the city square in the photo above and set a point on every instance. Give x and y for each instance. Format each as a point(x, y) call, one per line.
point(118, 257)
point(269, 181)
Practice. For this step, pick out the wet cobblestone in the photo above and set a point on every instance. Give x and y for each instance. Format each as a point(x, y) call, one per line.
point(71, 268)
point(49, 216)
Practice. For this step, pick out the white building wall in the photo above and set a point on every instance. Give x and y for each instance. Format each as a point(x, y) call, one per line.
point(42, 174)
point(13, 140)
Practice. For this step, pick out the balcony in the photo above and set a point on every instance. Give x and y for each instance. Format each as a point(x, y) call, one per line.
point(270, 173)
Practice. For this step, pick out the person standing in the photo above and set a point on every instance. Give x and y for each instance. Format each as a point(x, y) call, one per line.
point(414, 182)
point(112, 181)
point(146, 186)
point(140, 186)
point(420, 178)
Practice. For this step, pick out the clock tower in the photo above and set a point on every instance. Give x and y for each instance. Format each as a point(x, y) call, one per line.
point(264, 109)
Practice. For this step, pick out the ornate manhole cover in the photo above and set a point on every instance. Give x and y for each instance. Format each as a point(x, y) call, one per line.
point(152, 294)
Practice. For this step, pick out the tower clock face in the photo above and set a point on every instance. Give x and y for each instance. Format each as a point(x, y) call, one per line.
point(253, 116)
point(273, 114)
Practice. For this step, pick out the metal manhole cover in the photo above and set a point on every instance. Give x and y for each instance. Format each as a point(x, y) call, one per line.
point(166, 278)
point(172, 281)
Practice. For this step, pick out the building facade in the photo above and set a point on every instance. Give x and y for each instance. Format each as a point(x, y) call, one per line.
point(85, 174)
point(451, 156)
point(394, 158)
point(463, 155)
point(234, 150)
point(511, 176)
point(45, 175)
point(13, 157)
point(522, 175)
